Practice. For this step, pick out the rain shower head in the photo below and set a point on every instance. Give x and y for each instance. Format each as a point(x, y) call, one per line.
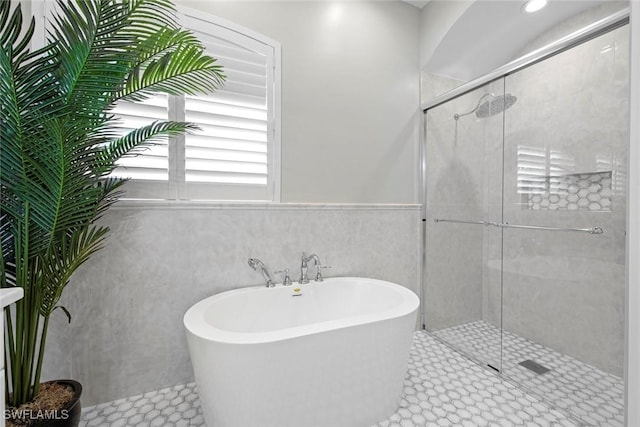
point(495, 105)
point(490, 105)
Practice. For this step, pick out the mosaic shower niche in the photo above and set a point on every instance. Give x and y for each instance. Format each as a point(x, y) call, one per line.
point(576, 192)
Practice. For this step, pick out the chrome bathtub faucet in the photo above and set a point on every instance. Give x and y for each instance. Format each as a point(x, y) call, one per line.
point(319, 277)
point(304, 266)
point(256, 264)
point(287, 280)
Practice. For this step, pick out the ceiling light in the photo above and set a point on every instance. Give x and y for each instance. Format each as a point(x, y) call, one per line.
point(534, 5)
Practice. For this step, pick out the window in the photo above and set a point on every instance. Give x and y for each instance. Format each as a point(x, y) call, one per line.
point(235, 155)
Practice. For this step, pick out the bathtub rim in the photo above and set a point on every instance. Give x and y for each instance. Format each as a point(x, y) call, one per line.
point(194, 323)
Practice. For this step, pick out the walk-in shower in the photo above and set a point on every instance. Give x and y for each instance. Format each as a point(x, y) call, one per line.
point(525, 204)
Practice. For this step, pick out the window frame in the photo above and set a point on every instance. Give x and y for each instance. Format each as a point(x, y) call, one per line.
point(176, 187)
point(198, 21)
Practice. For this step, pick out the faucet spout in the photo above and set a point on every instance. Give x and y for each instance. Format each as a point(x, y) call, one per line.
point(314, 258)
point(256, 264)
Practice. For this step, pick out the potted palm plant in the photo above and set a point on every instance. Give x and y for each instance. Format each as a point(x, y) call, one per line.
point(59, 145)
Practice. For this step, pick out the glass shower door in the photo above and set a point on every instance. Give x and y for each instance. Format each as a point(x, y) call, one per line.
point(563, 282)
point(462, 294)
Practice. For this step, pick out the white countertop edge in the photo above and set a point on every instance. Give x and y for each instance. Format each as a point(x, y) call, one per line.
point(10, 295)
point(198, 204)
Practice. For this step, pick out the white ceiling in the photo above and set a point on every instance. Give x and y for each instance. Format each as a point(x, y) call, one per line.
point(493, 32)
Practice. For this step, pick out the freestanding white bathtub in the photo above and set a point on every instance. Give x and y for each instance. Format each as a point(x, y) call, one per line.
point(336, 355)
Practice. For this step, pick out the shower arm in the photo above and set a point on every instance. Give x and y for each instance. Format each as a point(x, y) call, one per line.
point(482, 98)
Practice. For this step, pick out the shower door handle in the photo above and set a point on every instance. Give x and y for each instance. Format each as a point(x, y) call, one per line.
point(460, 221)
point(592, 230)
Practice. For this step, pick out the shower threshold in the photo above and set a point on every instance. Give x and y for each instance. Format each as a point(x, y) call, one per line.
point(580, 390)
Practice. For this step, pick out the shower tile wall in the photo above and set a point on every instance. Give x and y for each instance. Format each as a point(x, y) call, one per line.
point(127, 303)
point(458, 184)
point(454, 192)
point(576, 192)
point(566, 290)
point(433, 85)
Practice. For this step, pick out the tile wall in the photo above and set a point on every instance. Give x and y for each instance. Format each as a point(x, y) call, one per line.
point(127, 302)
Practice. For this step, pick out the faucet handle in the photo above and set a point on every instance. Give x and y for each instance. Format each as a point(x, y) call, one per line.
point(287, 280)
point(319, 277)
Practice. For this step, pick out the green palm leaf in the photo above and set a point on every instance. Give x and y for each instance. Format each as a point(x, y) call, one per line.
point(12, 28)
point(154, 52)
point(92, 61)
point(183, 70)
point(62, 260)
point(132, 143)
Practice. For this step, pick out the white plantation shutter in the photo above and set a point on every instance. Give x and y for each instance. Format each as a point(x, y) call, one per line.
point(235, 154)
point(532, 170)
point(232, 153)
point(541, 169)
point(560, 165)
point(147, 163)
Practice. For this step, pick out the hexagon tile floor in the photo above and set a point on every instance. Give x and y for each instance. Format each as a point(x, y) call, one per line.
point(442, 388)
point(594, 396)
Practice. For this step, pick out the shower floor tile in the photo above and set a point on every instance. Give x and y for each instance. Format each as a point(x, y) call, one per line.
point(442, 388)
point(594, 396)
